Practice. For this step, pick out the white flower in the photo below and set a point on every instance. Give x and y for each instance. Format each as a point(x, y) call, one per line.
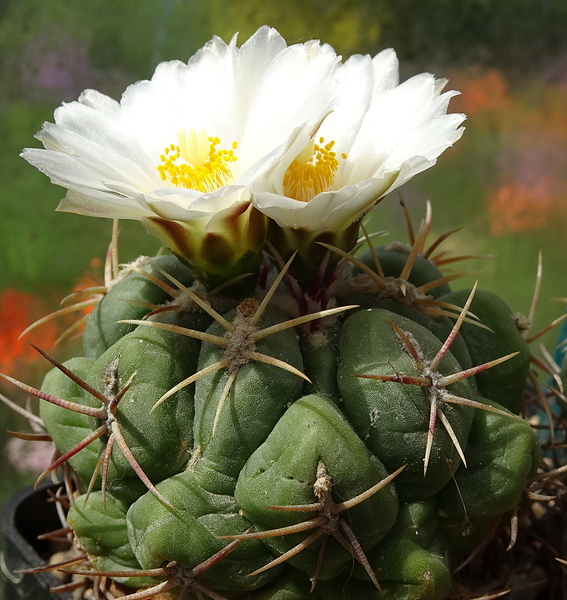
point(180, 152)
point(378, 136)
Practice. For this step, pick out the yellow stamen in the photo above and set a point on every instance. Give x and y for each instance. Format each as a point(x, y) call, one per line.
point(196, 163)
point(312, 172)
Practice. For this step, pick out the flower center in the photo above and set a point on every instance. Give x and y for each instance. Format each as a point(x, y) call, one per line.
point(312, 172)
point(196, 163)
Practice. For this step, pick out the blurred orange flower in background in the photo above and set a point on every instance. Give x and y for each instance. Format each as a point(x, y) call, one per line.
point(526, 126)
point(532, 165)
point(480, 91)
point(18, 310)
point(516, 206)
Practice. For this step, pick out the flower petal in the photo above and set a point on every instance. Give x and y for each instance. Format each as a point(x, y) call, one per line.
point(187, 205)
point(97, 204)
point(297, 89)
point(328, 211)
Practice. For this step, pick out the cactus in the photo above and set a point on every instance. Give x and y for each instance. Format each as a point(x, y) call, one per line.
point(261, 453)
point(335, 427)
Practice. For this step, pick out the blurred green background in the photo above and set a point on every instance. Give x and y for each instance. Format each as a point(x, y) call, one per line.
point(505, 182)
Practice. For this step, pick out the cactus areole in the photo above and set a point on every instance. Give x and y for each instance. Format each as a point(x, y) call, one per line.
point(266, 414)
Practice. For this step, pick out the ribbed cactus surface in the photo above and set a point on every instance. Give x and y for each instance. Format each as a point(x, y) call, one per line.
point(241, 446)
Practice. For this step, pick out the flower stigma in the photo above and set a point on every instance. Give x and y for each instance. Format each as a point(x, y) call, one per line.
point(196, 163)
point(312, 172)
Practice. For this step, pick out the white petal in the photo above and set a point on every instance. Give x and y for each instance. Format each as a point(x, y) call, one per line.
point(386, 71)
point(103, 161)
point(390, 132)
point(176, 205)
point(64, 170)
point(328, 211)
point(287, 212)
point(97, 127)
point(97, 204)
point(428, 141)
point(101, 102)
point(393, 123)
point(297, 87)
point(354, 94)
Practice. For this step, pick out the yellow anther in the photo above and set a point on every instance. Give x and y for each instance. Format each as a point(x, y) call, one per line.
point(201, 167)
point(312, 172)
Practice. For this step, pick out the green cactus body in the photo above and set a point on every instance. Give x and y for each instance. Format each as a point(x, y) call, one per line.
point(394, 419)
point(505, 384)
point(284, 470)
point(275, 462)
point(191, 532)
point(121, 302)
point(321, 363)
point(160, 439)
point(68, 428)
point(393, 259)
point(288, 586)
point(101, 526)
point(258, 398)
point(501, 451)
point(408, 562)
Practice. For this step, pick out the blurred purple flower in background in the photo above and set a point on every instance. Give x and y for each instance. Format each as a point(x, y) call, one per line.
point(59, 68)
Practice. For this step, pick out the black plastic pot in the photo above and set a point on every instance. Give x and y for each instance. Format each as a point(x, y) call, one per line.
point(25, 516)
